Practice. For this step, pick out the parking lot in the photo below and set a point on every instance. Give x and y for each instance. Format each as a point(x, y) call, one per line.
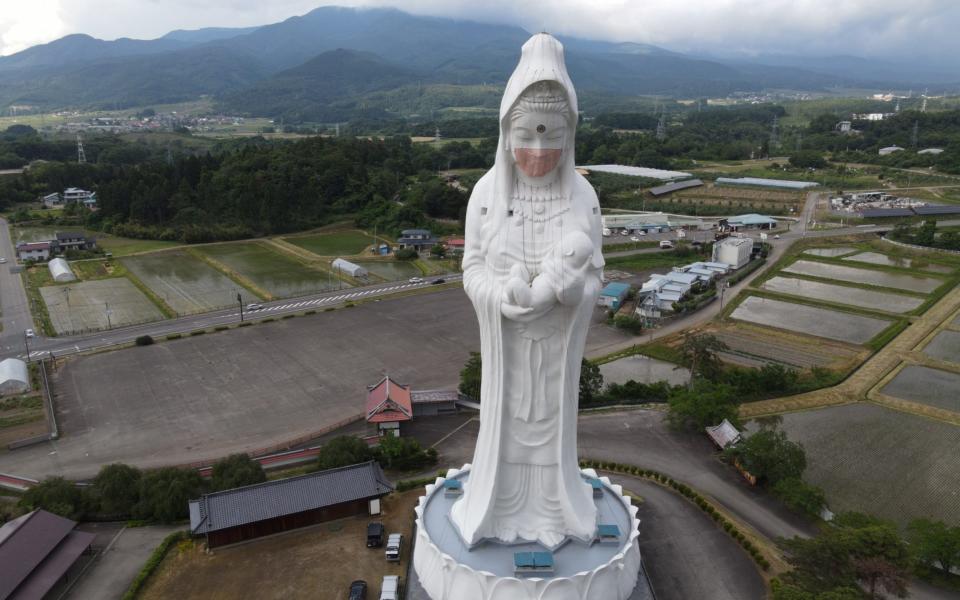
point(204, 397)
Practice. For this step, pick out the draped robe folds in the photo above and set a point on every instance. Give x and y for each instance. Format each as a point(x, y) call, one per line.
point(525, 481)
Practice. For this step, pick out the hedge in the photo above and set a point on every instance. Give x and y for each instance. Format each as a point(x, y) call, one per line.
point(691, 495)
point(221, 328)
point(198, 332)
point(152, 563)
point(174, 336)
point(245, 324)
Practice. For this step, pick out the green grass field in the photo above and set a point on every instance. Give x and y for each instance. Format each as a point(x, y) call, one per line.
point(279, 274)
point(650, 260)
point(338, 243)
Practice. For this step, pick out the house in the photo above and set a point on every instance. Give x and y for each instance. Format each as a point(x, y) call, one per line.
point(613, 295)
point(34, 250)
point(345, 266)
point(40, 555)
point(418, 239)
point(253, 511)
point(60, 270)
point(388, 405)
point(73, 195)
point(733, 251)
point(73, 240)
point(52, 200)
point(724, 434)
point(455, 246)
point(14, 377)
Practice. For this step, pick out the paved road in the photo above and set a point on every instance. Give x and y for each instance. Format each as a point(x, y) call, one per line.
point(13, 299)
point(119, 561)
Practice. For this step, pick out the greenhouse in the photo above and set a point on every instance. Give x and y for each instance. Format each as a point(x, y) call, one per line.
point(60, 270)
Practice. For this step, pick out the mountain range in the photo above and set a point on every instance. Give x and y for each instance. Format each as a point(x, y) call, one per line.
point(316, 66)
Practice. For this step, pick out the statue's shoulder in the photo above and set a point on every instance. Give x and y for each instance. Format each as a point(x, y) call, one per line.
point(483, 185)
point(584, 189)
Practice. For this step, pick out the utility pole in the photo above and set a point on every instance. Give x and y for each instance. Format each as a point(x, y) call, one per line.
point(26, 343)
point(240, 302)
point(81, 156)
point(107, 310)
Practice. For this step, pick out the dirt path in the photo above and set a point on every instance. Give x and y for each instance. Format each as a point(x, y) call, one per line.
point(859, 385)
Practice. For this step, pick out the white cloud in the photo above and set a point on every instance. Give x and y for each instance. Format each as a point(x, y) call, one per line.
point(859, 27)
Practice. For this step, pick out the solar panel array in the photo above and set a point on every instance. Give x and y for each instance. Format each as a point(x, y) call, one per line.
point(931, 209)
point(937, 209)
point(876, 213)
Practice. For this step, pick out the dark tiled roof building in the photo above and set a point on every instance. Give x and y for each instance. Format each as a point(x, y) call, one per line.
point(38, 552)
point(253, 511)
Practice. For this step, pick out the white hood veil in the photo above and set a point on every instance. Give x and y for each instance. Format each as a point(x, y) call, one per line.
point(489, 213)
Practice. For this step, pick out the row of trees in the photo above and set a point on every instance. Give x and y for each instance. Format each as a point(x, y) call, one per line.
point(926, 235)
point(858, 553)
point(396, 453)
point(121, 491)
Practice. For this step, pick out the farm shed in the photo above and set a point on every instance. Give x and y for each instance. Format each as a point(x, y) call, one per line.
point(253, 511)
point(635, 171)
point(751, 221)
point(351, 269)
point(771, 183)
point(733, 251)
point(60, 270)
point(428, 403)
point(613, 295)
point(14, 377)
point(675, 187)
point(38, 554)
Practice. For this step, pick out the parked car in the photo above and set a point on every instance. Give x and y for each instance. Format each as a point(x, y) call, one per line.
point(29, 333)
point(394, 542)
point(666, 244)
point(390, 588)
point(776, 237)
point(634, 239)
point(358, 590)
point(254, 306)
point(416, 280)
point(438, 281)
point(375, 534)
point(2, 260)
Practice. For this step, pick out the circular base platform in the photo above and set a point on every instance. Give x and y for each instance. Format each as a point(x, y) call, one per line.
point(449, 570)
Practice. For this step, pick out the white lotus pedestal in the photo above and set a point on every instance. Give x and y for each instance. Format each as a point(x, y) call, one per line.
point(447, 569)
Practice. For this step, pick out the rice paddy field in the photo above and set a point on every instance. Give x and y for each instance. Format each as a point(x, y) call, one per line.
point(810, 320)
point(751, 345)
point(830, 252)
point(888, 302)
point(879, 278)
point(875, 258)
point(643, 369)
point(84, 306)
point(390, 270)
point(185, 283)
point(276, 273)
point(925, 385)
point(880, 461)
point(945, 346)
point(337, 243)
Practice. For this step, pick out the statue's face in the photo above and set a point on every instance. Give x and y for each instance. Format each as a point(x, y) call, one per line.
point(538, 140)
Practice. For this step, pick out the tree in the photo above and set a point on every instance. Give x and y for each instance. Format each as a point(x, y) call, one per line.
point(933, 542)
point(56, 495)
point(341, 451)
point(235, 471)
point(403, 453)
point(800, 496)
point(470, 377)
point(770, 456)
point(877, 572)
point(407, 253)
point(704, 404)
point(808, 159)
point(591, 381)
point(165, 493)
point(438, 251)
point(699, 353)
point(117, 487)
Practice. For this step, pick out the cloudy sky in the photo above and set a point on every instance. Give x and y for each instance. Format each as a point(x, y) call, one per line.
point(875, 28)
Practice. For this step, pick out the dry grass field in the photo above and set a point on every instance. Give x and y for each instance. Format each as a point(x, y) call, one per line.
point(789, 349)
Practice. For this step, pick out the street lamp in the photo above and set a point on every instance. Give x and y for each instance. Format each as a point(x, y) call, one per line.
point(240, 302)
point(26, 343)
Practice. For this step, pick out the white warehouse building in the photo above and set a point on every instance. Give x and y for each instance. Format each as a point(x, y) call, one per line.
point(351, 269)
point(60, 270)
point(733, 251)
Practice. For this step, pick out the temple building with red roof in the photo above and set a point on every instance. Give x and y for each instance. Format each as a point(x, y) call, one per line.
point(390, 403)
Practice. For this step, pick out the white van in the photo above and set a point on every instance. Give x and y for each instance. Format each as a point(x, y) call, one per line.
point(393, 547)
point(666, 244)
point(390, 588)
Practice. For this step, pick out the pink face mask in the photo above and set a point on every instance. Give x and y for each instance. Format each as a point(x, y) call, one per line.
point(537, 162)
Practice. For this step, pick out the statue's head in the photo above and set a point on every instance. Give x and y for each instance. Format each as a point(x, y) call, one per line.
point(539, 129)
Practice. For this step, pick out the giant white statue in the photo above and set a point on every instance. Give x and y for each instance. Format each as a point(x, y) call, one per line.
point(523, 521)
point(531, 267)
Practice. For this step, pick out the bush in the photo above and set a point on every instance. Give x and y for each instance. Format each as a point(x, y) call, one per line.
point(117, 488)
point(144, 340)
point(56, 495)
point(800, 496)
point(341, 451)
point(628, 323)
point(164, 493)
point(174, 336)
point(198, 332)
point(245, 324)
point(406, 254)
point(235, 471)
point(288, 316)
point(221, 328)
point(403, 453)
